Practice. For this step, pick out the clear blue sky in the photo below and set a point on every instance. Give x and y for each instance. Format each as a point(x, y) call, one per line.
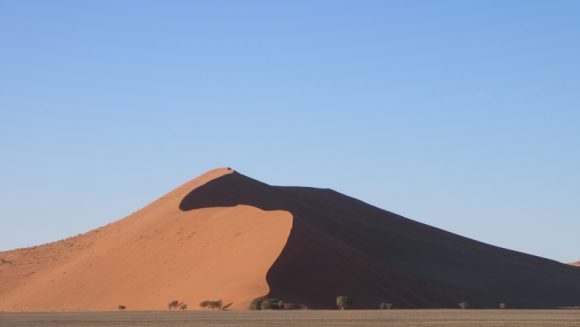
point(460, 114)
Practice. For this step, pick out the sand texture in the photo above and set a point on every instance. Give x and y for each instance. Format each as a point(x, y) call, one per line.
point(226, 236)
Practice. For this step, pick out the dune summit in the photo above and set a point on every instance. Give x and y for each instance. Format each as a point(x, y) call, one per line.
point(226, 236)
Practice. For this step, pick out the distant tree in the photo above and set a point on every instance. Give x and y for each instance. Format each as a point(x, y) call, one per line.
point(183, 306)
point(385, 306)
point(463, 305)
point(121, 307)
point(278, 304)
point(266, 304)
point(211, 304)
point(173, 304)
point(256, 304)
point(503, 305)
point(343, 302)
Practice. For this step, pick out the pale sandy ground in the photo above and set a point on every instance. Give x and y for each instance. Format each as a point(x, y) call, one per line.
point(310, 318)
point(145, 260)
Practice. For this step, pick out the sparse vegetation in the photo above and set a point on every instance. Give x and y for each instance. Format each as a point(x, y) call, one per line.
point(173, 305)
point(463, 305)
point(385, 306)
point(255, 304)
point(343, 302)
point(211, 304)
point(2, 260)
point(183, 307)
point(266, 304)
point(121, 307)
point(503, 305)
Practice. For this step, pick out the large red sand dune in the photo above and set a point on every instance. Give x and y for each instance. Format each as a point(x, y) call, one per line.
point(577, 263)
point(226, 236)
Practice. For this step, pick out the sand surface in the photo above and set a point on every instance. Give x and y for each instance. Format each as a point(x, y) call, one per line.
point(306, 318)
point(146, 260)
point(225, 236)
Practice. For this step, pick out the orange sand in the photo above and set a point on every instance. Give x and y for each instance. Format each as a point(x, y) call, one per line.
point(150, 258)
point(225, 236)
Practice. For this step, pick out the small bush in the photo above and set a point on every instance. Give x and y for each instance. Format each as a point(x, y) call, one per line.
point(173, 304)
point(183, 306)
point(463, 305)
point(256, 304)
point(503, 305)
point(343, 302)
point(385, 306)
point(121, 307)
point(266, 305)
point(279, 304)
point(211, 304)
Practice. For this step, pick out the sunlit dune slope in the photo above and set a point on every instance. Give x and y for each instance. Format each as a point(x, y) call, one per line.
point(158, 254)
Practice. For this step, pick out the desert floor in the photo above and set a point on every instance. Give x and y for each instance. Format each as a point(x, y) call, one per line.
point(319, 318)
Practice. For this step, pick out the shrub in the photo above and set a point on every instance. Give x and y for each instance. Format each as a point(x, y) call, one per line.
point(266, 305)
point(211, 304)
point(343, 302)
point(256, 304)
point(121, 307)
point(227, 306)
point(385, 306)
point(173, 304)
point(278, 304)
point(503, 305)
point(183, 306)
point(463, 305)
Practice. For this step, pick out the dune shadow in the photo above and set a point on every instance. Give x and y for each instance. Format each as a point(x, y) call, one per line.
point(339, 245)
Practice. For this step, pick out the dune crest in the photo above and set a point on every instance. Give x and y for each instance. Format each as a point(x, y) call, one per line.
point(226, 236)
point(143, 261)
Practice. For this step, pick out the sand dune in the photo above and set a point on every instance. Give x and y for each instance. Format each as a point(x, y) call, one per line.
point(226, 236)
point(149, 258)
point(577, 263)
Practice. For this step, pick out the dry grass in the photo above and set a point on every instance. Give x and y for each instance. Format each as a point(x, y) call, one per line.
point(312, 318)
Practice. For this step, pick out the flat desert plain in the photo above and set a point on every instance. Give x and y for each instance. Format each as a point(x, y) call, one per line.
point(314, 318)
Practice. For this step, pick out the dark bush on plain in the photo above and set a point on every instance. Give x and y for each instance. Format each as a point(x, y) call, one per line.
point(173, 305)
point(385, 306)
point(266, 304)
point(211, 304)
point(256, 304)
point(343, 302)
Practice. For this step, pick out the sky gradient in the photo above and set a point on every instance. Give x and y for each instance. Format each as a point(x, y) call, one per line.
point(462, 115)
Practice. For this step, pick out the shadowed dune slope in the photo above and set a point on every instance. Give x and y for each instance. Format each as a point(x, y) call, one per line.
point(340, 245)
point(150, 258)
point(226, 236)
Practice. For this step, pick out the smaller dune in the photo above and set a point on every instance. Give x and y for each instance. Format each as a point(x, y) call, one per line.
point(577, 263)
